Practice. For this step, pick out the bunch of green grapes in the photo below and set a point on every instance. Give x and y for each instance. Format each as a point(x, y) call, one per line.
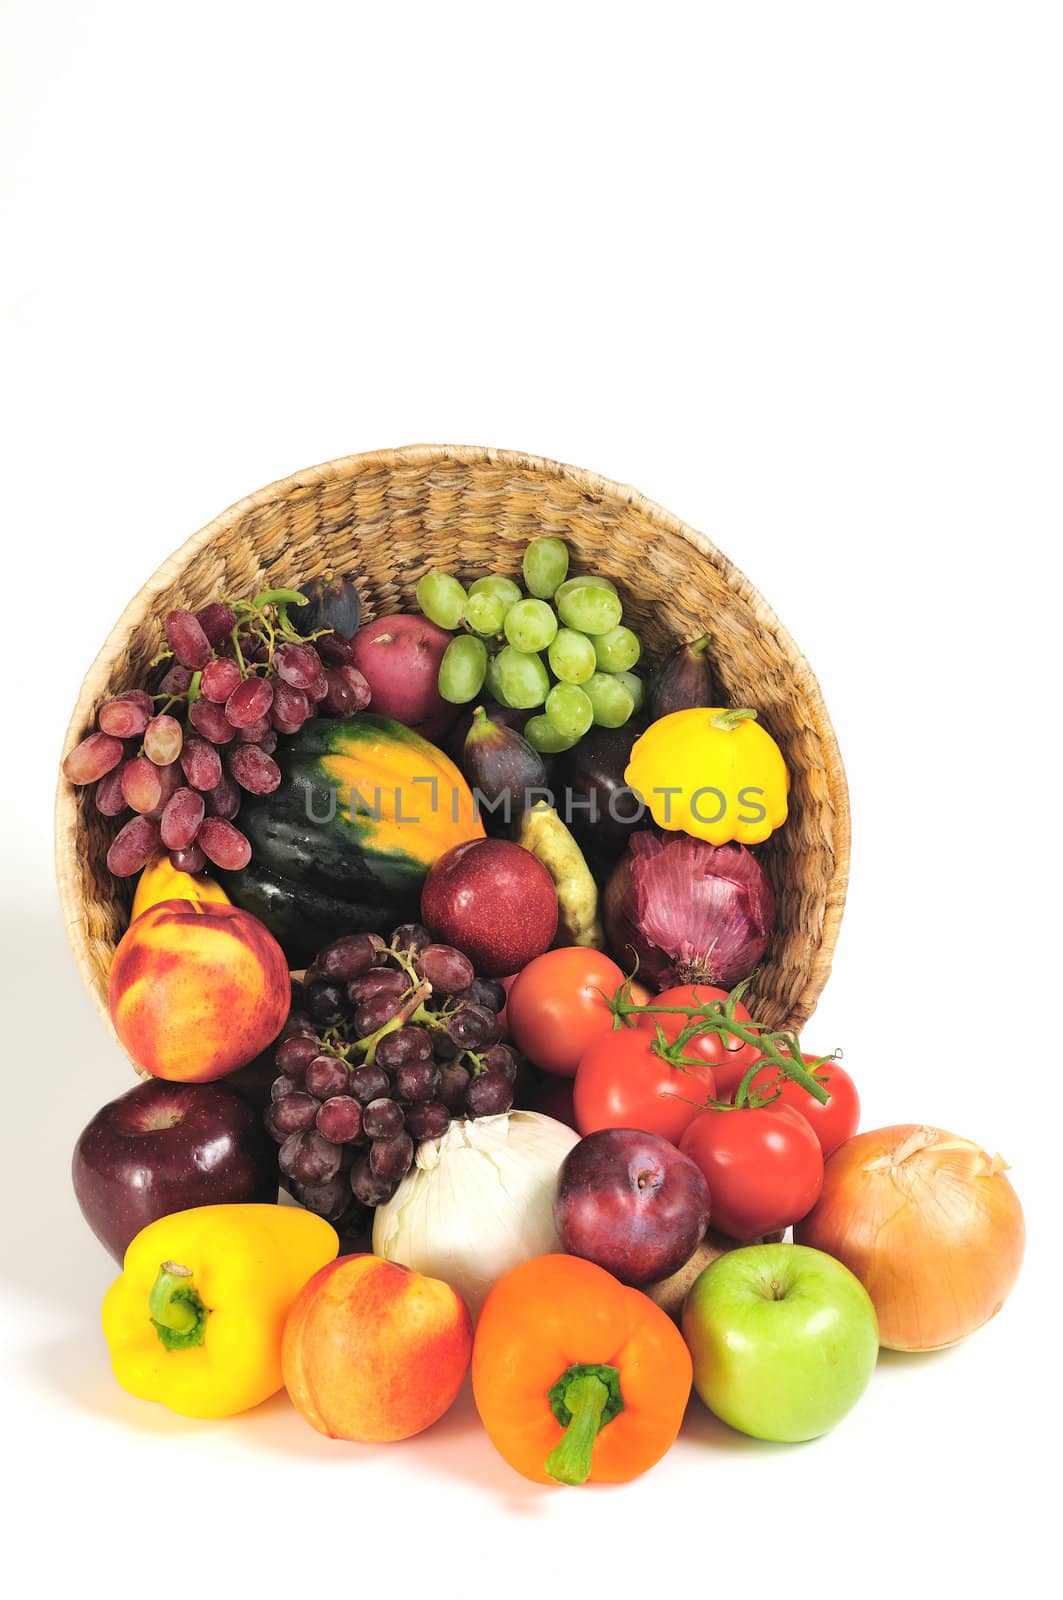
point(561, 647)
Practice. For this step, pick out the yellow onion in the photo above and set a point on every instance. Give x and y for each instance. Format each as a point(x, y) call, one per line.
point(928, 1223)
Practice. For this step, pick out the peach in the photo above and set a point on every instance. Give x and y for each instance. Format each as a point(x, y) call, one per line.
point(373, 1351)
point(197, 989)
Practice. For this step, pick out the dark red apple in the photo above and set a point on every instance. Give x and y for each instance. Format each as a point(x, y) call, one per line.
point(165, 1147)
point(631, 1203)
point(494, 900)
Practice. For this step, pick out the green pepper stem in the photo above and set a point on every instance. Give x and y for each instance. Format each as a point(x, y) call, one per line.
point(177, 1315)
point(570, 1461)
point(175, 1309)
point(728, 721)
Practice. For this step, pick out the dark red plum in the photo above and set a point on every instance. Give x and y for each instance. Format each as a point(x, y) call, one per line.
point(165, 1147)
point(631, 1203)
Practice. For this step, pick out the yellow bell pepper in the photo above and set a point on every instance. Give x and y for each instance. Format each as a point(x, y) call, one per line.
point(161, 881)
point(195, 1321)
point(711, 773)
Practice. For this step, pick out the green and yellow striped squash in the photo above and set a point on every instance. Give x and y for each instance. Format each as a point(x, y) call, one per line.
point(364, 808)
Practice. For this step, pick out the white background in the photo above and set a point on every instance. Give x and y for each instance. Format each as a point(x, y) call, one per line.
point(795, 272)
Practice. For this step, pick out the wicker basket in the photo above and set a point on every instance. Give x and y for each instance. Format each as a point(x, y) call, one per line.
point(391, 514)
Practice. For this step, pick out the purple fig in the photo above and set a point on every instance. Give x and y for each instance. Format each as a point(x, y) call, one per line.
point(501, 768)
point(686, 680)
point(454, 744)
point(331, 602)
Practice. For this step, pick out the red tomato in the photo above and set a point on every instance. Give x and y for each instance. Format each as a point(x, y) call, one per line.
point(730, 1062)
point(623, 1083)
point(556, 1006)
point(763, 1166)
point(833, 1123)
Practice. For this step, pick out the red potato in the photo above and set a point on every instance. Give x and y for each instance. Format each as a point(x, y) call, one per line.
point(399, 657)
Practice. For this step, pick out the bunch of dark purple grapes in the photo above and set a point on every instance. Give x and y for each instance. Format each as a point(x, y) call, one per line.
point(241, 674)
point(388, 1043)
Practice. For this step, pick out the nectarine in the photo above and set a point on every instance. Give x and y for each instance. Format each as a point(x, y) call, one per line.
point(197, 989)
point(374, 1352)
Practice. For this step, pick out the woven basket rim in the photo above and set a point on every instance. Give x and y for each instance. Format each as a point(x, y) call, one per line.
point(97, 678)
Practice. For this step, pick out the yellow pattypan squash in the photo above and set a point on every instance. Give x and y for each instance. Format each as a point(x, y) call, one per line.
point(711, 773)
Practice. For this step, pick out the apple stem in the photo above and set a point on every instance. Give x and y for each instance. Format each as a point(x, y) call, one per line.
point(584, 1399)
point(177, 1313)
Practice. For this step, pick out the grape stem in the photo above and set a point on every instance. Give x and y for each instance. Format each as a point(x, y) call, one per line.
point(170, 700)
point(412, 1011)
point(281, 598)
point(436, 1020)
point(265, 618)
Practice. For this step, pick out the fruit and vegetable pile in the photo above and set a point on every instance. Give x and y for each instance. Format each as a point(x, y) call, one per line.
point(445, 925)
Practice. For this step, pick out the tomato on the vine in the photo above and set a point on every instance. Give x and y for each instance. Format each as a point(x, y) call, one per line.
point(832, 1123)
point(622, 1082)
point(729, 1058)
point(763, 1166)
point(559, 1004)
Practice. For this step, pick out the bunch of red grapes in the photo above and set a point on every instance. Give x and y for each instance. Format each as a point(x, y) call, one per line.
point(240, 676)
point(386, 1044)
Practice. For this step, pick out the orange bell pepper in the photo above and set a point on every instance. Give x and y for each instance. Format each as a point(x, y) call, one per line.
point(577, 1379)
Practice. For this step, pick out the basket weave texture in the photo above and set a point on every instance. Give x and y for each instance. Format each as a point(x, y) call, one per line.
point(390, 515)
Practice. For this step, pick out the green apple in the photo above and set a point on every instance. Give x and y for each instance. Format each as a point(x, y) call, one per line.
point(784, 1340)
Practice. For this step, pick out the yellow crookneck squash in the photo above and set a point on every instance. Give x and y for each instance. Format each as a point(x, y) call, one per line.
point(161, 881)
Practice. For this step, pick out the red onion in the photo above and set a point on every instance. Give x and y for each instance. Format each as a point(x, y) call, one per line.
point(692, 912)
